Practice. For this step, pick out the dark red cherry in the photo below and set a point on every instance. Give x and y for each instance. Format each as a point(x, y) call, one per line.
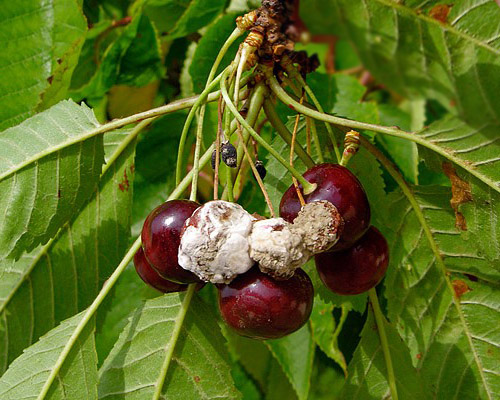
point(260, 307)
point(357, 269)
point(161, 238)
point(340, 187)
point(152, 278)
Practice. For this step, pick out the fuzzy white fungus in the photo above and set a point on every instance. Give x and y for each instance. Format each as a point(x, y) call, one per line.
point(277, 248)
point(214, 242)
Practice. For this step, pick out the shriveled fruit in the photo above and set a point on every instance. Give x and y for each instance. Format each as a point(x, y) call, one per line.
point(161, 238)
point(357, 269)
point(340, 187)
point(152, 278)
point(260, 307)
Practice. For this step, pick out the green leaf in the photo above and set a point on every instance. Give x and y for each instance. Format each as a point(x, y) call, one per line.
point(474, 148)
point(368, 377)
point(279, 386)
point(208, 48)
point(456, 62)
point(475, 374)
point(35, 368)
point(133, 59)
point(180, 18)
point(198, 366)
point(423, 300)
point(49, 166)
point(295, 354)
point(42, 42)
point(57, 280)
point(324, 331)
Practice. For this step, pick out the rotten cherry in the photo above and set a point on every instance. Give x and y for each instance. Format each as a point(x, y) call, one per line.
point(340, 187)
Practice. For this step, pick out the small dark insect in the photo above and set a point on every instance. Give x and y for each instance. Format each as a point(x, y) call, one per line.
point(214, 156)
point(228, 155)
point(259, 165)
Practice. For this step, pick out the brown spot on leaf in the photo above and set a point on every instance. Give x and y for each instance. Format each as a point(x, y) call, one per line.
point(460, 288)
point(197, 378)
point(124, 184)
point(50, 79)
point(59, 60)
point(440, 12)
point(461, 193)
point(132, 168)
point(59, 194)
point(419, 356)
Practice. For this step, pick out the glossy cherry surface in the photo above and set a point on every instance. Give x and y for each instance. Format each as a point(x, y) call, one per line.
point(257, 306)
point(161, 238)
point(340, 187)
point(357, 269)
point(152, 278)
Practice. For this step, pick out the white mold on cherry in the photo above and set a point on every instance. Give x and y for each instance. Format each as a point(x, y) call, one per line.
point(214, 242)
point(277, 247)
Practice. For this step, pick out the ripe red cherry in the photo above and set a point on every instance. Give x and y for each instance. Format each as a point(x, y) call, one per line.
point(161, 238)
point(357, 269)
point(257, 306)
point(152, 278)
point(340, 187)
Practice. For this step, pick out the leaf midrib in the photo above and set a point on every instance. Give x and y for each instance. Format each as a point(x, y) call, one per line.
point(446, 27)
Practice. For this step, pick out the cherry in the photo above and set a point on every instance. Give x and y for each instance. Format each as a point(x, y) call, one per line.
point(260, 307)
point(161, 238)
point(357, 269)
point(340, 187)
point(151, 277)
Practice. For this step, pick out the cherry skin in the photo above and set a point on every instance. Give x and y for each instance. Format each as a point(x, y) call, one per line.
point(152, 278)
point(258, 306)
point(340, 187)
point(161, 237)
point(357, 269)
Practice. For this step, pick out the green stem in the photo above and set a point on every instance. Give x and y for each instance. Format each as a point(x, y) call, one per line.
point(292, 71)
point(87, 315)
point(392, 131)
point(285, 134)
point(257, 98)
point(111, 126)
point(306, 186)
point(210, 83)
point(379, 318)
point(315, 136)
point(186, 301)
point(228, 193)
point(187, 124)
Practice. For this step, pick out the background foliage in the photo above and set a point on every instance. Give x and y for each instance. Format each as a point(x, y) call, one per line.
point(72, 200)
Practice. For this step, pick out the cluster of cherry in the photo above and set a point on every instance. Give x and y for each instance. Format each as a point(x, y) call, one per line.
point(255, 304)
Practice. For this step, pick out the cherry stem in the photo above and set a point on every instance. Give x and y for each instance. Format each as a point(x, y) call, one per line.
point(292, 146)
point(217, 149)
point(256, 100)
point(292, 71)
point(307, 186)
point(285, 134)
point(201, 103)
point(380, 320)
point(256, 174)
point(182, 141)
point(315, 136)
